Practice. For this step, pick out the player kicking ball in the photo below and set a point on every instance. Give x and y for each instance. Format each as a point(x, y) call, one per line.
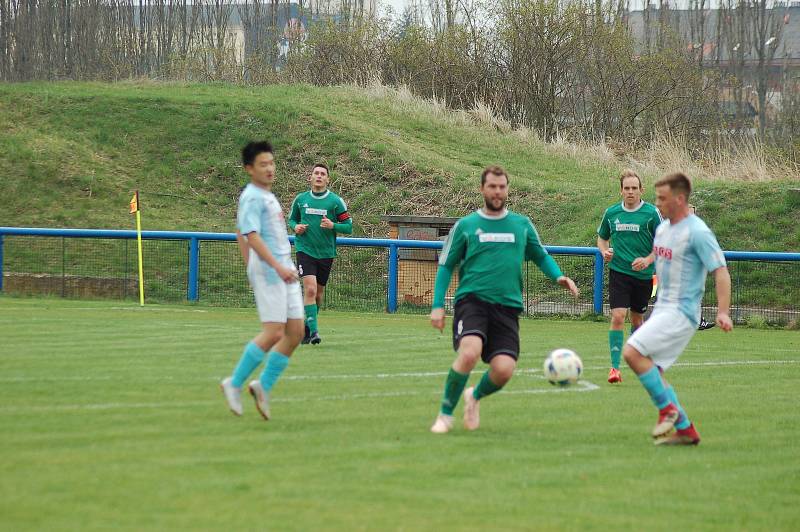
point(267, 254)
point(312, 220)
point(629, 226)
point(686, 250)
point(489, 246)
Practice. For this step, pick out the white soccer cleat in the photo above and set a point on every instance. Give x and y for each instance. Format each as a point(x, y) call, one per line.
point(443, 424)
point(472, 416)
point(233, 395)
point(261, 398)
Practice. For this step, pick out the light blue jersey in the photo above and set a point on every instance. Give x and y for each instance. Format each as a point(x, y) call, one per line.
point(260, 211)
point(685, 253)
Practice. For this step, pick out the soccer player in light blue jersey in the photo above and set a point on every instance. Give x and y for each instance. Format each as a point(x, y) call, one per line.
point(264, 243)
point(685, 250)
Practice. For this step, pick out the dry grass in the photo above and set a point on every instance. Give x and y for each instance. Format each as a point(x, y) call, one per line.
point(743, 159)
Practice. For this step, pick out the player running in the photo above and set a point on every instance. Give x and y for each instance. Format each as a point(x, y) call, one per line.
point(312, 220)
point(630, 227)
point(267, 255)
point(686, 250)
point(489, 246)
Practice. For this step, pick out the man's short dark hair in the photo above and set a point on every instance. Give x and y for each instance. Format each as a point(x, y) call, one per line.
point(251, 151)
point(493, 169)
point(677, 182)
point(321, 165)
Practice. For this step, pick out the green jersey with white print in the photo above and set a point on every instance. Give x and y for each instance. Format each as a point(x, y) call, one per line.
point(631, 232)
point(309, 208)
point(489, 252)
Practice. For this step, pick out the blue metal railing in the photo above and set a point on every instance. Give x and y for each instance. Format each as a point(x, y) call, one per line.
point(195, 238)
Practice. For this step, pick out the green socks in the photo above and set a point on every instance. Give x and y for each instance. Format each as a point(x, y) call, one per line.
point(615, 339)
point(453, 388)
point(485, 387)
point(311, 317)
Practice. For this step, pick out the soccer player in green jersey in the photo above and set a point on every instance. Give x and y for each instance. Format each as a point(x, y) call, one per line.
point(630, 227)
point(489, 246)
point(317, 216)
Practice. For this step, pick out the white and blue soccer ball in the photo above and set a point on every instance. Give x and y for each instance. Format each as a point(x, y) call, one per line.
point(563, 367)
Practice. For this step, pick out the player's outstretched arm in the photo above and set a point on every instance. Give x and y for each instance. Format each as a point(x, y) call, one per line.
point(722, 283)
point(569, 284)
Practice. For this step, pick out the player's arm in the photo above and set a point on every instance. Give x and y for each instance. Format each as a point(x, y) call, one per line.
point(294, 219)
point(722, 283)
point(640, 263)
point(534, 251)
point(604, 238)
point(244, 247)
point(452, 253)
point(255, 242)
point(344, 223)
point(707, 248)
point(605, 248)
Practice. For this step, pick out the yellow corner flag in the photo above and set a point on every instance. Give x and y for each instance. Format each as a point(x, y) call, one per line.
point(136, 207)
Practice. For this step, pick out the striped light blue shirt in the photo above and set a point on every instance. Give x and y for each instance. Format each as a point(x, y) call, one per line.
point(685, 253)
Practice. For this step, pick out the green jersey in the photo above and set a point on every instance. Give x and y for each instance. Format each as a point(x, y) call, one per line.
point(631, 232)
point(309, 208)
point(490, 251)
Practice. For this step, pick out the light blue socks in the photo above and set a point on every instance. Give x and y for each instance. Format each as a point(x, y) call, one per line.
point(683, 420)
point(251, 358)
point(276, 363)
point(654, 385)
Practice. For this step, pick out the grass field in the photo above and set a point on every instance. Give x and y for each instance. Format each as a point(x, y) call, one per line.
point(71, 154)
point(111, 418)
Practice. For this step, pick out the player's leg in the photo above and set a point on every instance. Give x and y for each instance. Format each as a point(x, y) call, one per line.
point(307, 268)
point(653, 348)
point(254, 351)
point(500, 352)
point(278, 358)
point(470, 323)
point(640, 294)
point(323, 270)
point(310, 305)
point(619, 301)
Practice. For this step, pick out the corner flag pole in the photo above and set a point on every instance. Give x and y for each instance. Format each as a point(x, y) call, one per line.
point(135, 208)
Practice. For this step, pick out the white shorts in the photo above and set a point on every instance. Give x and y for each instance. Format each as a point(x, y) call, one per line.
point(663, 337)
point(276, 302)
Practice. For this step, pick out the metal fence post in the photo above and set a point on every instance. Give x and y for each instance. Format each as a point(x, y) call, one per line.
point(599, 268)
point(391, 304)
point(1, 262)
point(194, 267)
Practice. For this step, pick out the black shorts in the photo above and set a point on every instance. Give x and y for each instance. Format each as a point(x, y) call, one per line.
point(320, 268)
point(498, 325)
point(625, 291)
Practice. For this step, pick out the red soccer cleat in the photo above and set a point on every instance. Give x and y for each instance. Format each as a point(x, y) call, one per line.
point(687, 436)
point(614, 376)
point(667, 417)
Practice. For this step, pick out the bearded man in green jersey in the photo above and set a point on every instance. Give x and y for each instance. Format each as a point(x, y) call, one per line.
point(316, 217)
point(489, 246)
point(630, 226)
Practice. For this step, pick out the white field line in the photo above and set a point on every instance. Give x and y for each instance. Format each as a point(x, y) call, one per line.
point(582, 386)
point(356, 376)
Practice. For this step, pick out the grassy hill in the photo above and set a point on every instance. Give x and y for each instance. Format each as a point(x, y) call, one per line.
point(71, 153)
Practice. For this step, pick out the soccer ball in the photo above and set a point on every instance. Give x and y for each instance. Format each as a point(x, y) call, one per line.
point(563, 367)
